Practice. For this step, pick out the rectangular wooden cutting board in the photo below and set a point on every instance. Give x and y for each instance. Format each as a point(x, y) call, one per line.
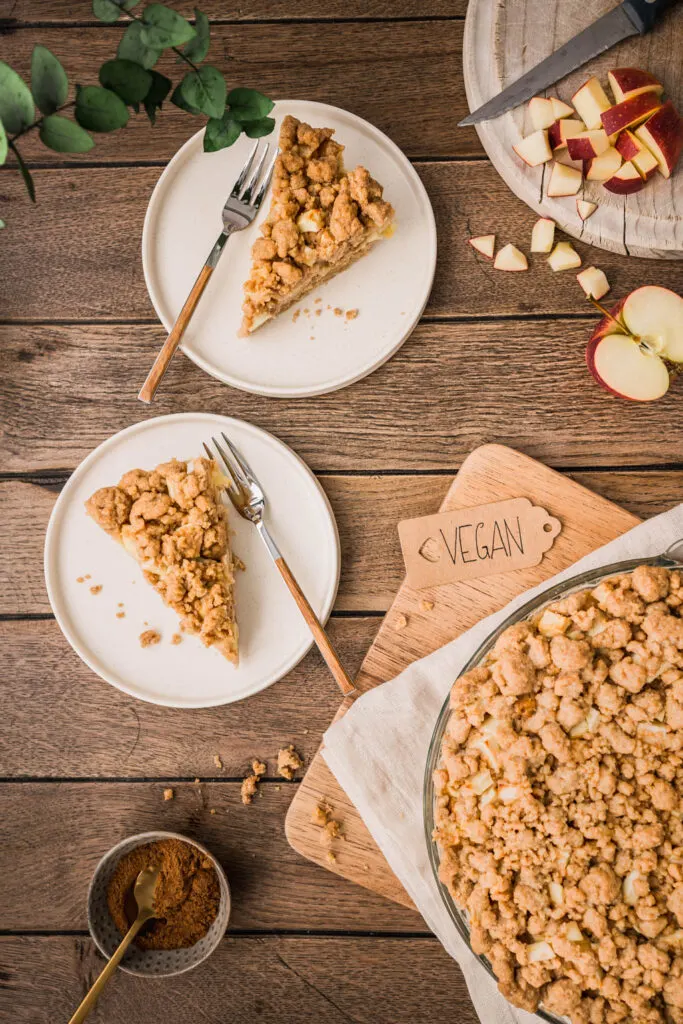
point(490, 473)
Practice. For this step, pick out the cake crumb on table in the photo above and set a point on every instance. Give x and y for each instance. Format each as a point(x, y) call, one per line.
point(96, 589)
point(149, 638)
point(288, 761)
point(330, 831)
point(249, 788)
point(217, 761)
point(212, 810)
point(258, 767)
point(426, 606)
point(168, 794)
point(400, 621)
point(330, 857)
point(176, 639)
point(321, 813)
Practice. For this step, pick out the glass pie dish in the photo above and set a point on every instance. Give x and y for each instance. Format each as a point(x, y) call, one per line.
point(671, 559)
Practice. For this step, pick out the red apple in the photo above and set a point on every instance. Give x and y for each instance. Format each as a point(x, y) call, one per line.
point(626, 181)
point(663, 136)
point(630, 112)
point(560, 131)
point(586, 145)
point(627, 82)
point(628, 145)
point(590, 101)
point(631, 363)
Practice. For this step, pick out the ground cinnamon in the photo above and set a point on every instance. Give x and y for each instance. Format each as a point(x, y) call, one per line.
point(186, 898)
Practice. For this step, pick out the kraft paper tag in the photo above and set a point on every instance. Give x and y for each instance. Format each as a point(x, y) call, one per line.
point(468, 543)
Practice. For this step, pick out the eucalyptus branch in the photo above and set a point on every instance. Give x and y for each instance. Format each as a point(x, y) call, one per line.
point(134, 17)
point(38, 121)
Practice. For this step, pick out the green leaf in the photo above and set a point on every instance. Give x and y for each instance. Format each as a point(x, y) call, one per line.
point(100, 110)
point(127, 79)
point(49, 83)
point(158, 91)
point(257, 129)
point(205, 91)
point(221, 132)
point(16, 102)
point(133, 48)
point(249, 105)
point(64, 136)
point(25, 173)
point(109, 10)
point(2, 224)
point(164, 27)
point(197, 48)
point(178, 100)
point(3, 144)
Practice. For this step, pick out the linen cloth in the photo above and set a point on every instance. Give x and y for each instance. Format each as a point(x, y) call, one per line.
point(378, 752)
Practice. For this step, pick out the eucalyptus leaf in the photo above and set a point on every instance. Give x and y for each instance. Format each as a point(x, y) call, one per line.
point(3, 144)
point(205, 90)
point(249, 105)
point(257, 129)
point(16, 103)
point(2, 224)
point(49, 83)
point(127, 79)
point(64, 136)
point(158, 91)
point(197, 48)
point(164, 27)
point(25, 173)
point(100, 110)
point(131, 47)
point(178, 100)
point(109, 11)
point(221, 132)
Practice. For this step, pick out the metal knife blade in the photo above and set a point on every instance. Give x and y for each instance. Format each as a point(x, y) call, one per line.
point(601, 35)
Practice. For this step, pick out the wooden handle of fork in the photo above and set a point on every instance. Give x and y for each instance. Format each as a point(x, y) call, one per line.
point(149, 388)
point(321, 638)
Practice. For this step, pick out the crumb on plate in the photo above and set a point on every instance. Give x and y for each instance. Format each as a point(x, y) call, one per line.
point(149, 638)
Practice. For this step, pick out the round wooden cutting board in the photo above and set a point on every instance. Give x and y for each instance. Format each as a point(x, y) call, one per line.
point(504, 39)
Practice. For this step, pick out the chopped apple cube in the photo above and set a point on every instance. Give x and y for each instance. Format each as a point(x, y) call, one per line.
point(485, 244)
point(561, 130)
point(628, 887)
point(626, 181)
point(663, 136)
point(539, 951)
point(646, 163)
point(561, 109)
point(586, 145)
point(603, 167)
point(541, 112)
point(510, 258)
point(562, 156)
point(481, 782)
point(585, 209)
point(564, 181)
point(627, 82)
point(573, 932)
point(594, 282)
point(552, 623)
point(629, 112)
point(535, 149)
point(543, 235)
point(628, 145)
point(556, 893)
point(590, 101)
point(564, 257)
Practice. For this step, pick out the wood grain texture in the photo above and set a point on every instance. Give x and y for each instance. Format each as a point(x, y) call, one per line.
point(502, 42)
point(53, 835)
point(425, 409)
point(367, 509)
point(492, 473)
point(361, 70)
point(69, 258)
point(269, 979)
point(67, 11)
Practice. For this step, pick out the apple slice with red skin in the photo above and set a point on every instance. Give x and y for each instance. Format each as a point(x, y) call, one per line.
point(628, 82)
point(587, 145)
point(628, 145)
point(630, 112)
point(603, 167)
point(631, 364)
point(646, 163)
point(563, 157)
point(663, 136)
point(560, 131)
point(590, 101)
point(626, 181)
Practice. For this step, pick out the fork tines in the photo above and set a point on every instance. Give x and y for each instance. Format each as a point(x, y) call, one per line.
point(243, 192)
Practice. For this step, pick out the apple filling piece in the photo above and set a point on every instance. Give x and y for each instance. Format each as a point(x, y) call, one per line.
point(321, 220)
point(173, 523)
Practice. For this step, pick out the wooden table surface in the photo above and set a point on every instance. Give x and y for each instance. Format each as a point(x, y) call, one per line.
point(496, 358)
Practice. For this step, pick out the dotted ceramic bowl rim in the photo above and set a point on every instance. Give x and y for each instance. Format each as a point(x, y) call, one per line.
point(151, 963)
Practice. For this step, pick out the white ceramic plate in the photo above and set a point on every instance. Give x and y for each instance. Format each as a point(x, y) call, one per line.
point(273, 635)
point(315, 354)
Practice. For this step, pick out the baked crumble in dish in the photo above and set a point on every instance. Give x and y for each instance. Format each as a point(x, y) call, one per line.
point(557, 800)
point(173, 523)
point(321, 220)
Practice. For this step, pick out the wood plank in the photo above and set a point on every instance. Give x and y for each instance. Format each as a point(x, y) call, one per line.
point(53, 835)
point(66, 11)
point(270, 979)
point(367, 510)
point(64, 389)
point(72, 724)
point(283, 60)
point(63, 243)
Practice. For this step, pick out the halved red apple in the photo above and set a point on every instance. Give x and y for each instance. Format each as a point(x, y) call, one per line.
point(629, 112)
point(663, 136)
point(628, 82)
point(590, 101)
point(626, 181)
point(586, 145)
point(627, 351)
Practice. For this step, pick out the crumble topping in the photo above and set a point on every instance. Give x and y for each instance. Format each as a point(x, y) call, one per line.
point(168, 794)
point(321, 219)
point(149, 638)
point(258, 767)
point(288, 761)
point(559, 813)
point(173, 523)
point(249, 788)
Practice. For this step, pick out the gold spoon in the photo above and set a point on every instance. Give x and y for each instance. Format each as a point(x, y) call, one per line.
point(143, 892)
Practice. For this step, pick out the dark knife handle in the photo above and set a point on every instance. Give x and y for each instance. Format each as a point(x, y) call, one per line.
point(644, 13)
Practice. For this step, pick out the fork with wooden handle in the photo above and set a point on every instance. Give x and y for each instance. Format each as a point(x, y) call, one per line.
point(248, 497)
point(239, 211)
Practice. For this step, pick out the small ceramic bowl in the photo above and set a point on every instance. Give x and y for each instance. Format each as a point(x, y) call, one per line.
point(150, 963)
